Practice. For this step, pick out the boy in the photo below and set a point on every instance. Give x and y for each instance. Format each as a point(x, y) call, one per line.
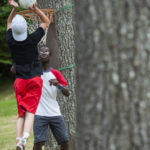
point(28, 83)
point(48, 111)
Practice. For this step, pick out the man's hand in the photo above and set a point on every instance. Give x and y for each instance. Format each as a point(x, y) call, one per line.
point(54, 82)
point(13, 3)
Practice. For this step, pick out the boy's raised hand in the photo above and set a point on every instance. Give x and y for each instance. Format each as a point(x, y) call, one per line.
point(13, 3)
point(33, 7)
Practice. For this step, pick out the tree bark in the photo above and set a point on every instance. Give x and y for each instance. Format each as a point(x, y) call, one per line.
point(113, 55)
point(65, 32)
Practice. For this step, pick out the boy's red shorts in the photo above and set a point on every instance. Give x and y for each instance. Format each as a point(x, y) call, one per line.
point(28, 93)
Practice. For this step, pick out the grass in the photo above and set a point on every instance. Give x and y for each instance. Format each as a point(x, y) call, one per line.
point(8, 117)
point(8, 134)
point(8, 107)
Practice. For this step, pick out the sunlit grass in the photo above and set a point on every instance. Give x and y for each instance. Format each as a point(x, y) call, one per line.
point(8, 106)
point(8, 134)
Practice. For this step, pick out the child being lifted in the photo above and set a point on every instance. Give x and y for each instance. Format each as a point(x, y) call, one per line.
point(25, 59)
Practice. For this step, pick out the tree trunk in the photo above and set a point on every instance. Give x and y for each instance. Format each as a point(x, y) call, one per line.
point(113, 67)
point(65, 32)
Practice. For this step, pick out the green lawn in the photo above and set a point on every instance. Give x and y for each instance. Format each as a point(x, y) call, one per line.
point(8, 134)
point(8, 117)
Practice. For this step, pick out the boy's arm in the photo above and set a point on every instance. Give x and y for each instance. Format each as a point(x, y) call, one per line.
point(43, 17)
point(64, 91)
point(12, 14)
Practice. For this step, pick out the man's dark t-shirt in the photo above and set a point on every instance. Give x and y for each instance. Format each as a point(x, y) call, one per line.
point(25, 54)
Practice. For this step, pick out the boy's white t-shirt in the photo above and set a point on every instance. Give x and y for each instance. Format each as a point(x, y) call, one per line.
point(48, 105)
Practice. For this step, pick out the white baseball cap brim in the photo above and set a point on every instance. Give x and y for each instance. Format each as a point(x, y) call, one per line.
point(19, 37)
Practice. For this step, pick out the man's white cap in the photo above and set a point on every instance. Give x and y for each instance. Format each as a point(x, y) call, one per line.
point(19, 28)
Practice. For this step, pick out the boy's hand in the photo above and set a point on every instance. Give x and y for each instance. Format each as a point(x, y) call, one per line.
point(54, 82)
point(13, 3)
point(33, 7)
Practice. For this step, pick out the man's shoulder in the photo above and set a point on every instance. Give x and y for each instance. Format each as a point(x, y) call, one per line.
point(59, 77)
point(55, 72)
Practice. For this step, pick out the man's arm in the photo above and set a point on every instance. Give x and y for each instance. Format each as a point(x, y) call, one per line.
point(64, 91)
point(12, 14)
point(43, 17)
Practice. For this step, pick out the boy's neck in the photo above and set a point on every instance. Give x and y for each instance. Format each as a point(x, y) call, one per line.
point(46, 66)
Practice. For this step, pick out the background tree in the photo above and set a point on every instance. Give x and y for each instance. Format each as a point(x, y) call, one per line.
point(65, 33)
point(113, 67)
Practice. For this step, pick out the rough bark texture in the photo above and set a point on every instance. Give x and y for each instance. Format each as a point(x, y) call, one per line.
point(66, 46)
point(113, 68)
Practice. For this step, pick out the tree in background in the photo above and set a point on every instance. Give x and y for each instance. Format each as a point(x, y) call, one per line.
point(65, 33)
point(113, 68)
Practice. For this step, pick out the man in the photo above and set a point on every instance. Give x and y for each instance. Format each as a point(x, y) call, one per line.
point(48, 111)
point(28, 83)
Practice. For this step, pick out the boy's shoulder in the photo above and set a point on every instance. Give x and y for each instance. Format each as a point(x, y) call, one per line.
point(59, 77)
point(55, 72)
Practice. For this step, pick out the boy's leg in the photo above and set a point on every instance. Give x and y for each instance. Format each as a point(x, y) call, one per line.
point(64, 146)
point(19, 87)
point(30, 102)
point(28, 124)
point(59, 131)
point(19, 129)
point(38, 146)
point(20, 125)
point(28, 95)
point(40, 131)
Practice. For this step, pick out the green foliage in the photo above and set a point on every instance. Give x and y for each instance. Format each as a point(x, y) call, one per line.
point(5, 58)
point(5, 10)
point(5, 62)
